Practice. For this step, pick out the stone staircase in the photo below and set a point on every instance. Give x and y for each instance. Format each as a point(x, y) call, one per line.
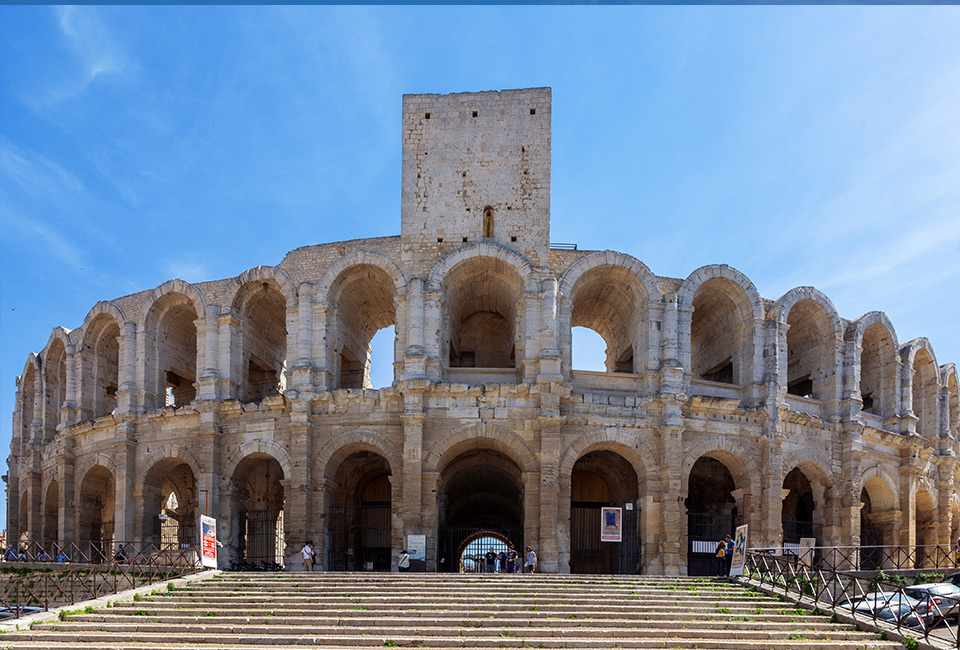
point(341, 610)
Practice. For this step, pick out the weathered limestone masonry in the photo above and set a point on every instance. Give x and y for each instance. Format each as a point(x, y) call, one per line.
point(249, 398)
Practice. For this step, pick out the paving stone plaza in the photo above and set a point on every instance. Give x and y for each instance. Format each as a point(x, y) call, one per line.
point(249, 399)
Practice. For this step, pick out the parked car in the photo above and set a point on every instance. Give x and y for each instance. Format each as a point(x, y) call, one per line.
point(953, 578)
point(942, 599)
point(11, 612)
point(892, 606)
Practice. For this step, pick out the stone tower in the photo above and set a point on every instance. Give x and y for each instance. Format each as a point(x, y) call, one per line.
point(476, 167)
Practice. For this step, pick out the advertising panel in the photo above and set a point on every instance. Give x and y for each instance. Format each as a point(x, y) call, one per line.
point(417, 549)
point(739, 551)
point(208, 541)
point(611, 520)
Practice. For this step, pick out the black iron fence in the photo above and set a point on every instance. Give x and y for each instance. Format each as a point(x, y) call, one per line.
point(360, 538)
point(871, 558)
point(589, 554)
point(83, 552)
point(464, 549)
point(42, 590)
point(885, 601)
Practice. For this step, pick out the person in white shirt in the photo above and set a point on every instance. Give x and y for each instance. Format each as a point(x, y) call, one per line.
point(531, 564)
point(404, 563)
point(307, 554)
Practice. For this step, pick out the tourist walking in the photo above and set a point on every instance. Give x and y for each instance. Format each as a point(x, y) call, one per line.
point(531, 564)
point(490, 561)
point(306, 553)
point(512, 559)
point(721, 556)
point(403, 565)
point(729, 555)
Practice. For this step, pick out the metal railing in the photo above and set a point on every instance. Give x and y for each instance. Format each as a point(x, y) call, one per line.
point(871, 558)
point(84, 552)
point(43, 589)
point(884, 600)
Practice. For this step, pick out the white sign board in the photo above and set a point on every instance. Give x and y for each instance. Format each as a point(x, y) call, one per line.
point(208, 541)
point(739, 551)
point(417, 550)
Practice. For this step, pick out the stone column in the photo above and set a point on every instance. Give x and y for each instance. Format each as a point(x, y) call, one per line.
point(301, 375)
point(68, 410)
point(298, 510)
point(228, 356)
point(771, 497)
point(66, 513)
point(543, 538)
point(531, 334)
point(432, 325)
point(428, 517)
point(415, 357)
point(412, 505)
point(127, 394)
point(127, 484)
point(549, 332)
point(324, 344)
point(673, 526)
point(35, 509)
point(209, 352)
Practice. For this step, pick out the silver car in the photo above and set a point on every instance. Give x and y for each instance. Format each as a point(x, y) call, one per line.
point(891, 606)
point(942, 599)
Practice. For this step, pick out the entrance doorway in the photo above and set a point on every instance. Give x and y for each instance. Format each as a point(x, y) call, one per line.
point(480, 497)
point(711, 514)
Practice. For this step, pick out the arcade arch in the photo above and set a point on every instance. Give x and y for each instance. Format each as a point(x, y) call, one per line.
point(478, 490)
point(360, 514)
point(361, 304)
point(799, 515)
point(96, 507)
point(256, 511)
point(50, 533)
point(54, 387)
point(169, 504)
point(170, 345)
point(712, 509)
point(878, 518)
point(27, 400)
point(100, 364)
point(599, 479)
point(811, 351)
point(878, 371)
point(262, 335)
point(721, 332)
point(924, 392)
point(482, 314)
point(612, 301)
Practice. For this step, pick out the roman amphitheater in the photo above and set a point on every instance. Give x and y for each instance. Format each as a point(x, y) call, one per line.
point(249, 398)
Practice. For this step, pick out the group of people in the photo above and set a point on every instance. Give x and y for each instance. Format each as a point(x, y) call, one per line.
point(724, 555)
point(12, 554)
point(508, 561)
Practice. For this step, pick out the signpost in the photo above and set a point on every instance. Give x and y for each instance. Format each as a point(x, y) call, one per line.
point(417, 550)
point(739, 551)
point(208, 541)
point(611, 524)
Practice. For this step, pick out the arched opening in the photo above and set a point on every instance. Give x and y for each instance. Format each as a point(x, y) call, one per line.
point(611, 301)
point(55, 387)
point(878, 371)
point(797, 513)
point(473, 553)
point(362, 304)
point(482, 315)
point(381, 357)
point(479, 491)
point(50, 533)
point(171, 345)
point(603, 479)
point(169, 504)
point(257, 499)
point(925, 531)
point(712, 513)
point(877, 520)
point(589, 350)
point(27, 398)
point(95, 518)
point(263, 340)
point(721, 333)
point(811, 351)
point(100, 366)
point(925, 389)
point(953, 406)
point(360, 514)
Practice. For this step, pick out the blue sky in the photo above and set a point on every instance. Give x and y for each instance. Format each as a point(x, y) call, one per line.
point(802, 145)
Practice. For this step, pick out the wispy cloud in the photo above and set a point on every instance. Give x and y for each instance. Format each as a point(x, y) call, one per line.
point(95, 53)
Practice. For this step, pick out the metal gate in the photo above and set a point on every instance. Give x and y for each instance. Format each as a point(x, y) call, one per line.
point(361, 542)
point(589, 555)
point(703, 533)
point(462, 549)
point(262, 543)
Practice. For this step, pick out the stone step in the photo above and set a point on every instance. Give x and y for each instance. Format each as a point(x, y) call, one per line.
point(205, 640)
point(521, 621)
